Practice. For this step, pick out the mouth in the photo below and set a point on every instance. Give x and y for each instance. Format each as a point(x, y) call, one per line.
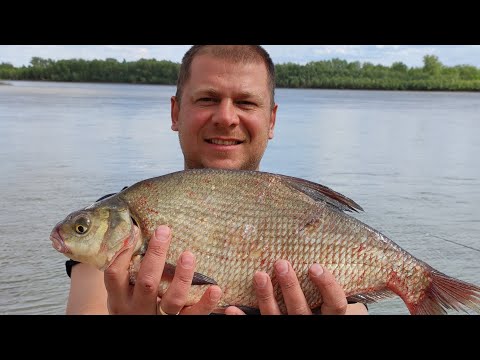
point(224, 142)
point(57, 241)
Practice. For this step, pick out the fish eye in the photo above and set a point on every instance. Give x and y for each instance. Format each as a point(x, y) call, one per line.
point(82, 225)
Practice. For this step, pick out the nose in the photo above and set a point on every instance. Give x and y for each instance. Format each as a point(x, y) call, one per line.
point(226, 114)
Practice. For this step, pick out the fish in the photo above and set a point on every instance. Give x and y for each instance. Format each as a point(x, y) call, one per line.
point(238, 222)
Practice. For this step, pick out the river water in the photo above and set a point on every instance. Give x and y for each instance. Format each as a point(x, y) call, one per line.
point(410, 159)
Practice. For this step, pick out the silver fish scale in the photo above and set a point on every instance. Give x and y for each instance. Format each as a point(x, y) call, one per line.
point(236, 225)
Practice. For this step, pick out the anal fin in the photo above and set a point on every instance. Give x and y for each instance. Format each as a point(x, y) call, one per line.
point(371, 297)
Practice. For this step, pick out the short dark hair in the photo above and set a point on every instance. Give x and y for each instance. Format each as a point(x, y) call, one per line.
point(236, 53)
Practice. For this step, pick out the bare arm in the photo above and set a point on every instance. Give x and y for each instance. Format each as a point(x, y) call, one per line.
point(88, 294)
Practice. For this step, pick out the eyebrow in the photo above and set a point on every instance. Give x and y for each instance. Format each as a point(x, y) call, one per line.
point(214, 93)
point(208, 92)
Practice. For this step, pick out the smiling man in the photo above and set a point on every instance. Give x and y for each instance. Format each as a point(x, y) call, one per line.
point(224, 110)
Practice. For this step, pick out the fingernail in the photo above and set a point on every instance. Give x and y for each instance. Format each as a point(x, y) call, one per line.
point(282, 267)
point(260, 280)
point(316, 270)
point(215, 294)
point(162, 233)
point(187, 260)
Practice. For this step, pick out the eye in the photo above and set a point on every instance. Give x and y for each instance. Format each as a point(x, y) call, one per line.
point(82, 225)
point(246, 104)
point(206, 100)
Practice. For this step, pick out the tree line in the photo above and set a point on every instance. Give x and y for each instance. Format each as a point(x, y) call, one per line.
point(325, 74)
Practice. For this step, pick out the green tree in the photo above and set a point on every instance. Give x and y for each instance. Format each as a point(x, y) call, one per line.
point(326, 74)
point(399, 67)
point(431, 65)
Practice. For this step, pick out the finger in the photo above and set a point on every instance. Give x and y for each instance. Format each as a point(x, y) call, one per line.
point(207, 303)
point(356, 309)
point(334, 300)
point(265, 295)
point(233, 310)
point(151, 269)
point(116, 276)
point(292, 293)
point(176, 295)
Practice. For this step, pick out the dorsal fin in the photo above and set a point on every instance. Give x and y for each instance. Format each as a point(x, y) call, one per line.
point(322, 193)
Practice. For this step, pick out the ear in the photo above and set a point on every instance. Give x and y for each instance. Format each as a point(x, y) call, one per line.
point(273, 117)
point(174, 110)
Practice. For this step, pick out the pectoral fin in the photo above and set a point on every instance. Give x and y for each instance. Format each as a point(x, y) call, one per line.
point(198, 279)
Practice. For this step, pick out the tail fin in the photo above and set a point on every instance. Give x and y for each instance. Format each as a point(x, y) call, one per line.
point(446, 293)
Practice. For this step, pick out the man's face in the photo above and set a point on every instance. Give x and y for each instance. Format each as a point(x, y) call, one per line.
point(225, 118)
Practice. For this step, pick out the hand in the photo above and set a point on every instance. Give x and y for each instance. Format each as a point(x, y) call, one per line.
point(142, 298)
point(334, 300)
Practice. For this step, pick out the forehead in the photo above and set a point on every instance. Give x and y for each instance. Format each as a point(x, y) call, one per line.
point(210, 70)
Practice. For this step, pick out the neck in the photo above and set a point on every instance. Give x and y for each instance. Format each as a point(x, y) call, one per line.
point(186, 167)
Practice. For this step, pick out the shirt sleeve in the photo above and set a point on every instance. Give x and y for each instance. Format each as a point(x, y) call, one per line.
point(68, 266)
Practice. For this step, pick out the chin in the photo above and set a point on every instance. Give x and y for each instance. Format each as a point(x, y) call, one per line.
point(231, 165)
point(222, 165)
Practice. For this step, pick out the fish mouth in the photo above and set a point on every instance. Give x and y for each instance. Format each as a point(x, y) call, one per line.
point(57, 242)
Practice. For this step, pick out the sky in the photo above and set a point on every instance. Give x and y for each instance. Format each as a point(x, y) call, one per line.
point(410, 55)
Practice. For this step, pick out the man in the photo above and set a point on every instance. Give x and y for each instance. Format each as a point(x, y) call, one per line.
point(224, 112)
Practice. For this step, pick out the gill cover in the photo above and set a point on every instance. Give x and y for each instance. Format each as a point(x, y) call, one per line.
point(97, 234)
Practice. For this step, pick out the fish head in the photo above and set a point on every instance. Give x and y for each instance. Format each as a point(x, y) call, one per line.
point(95, 235)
